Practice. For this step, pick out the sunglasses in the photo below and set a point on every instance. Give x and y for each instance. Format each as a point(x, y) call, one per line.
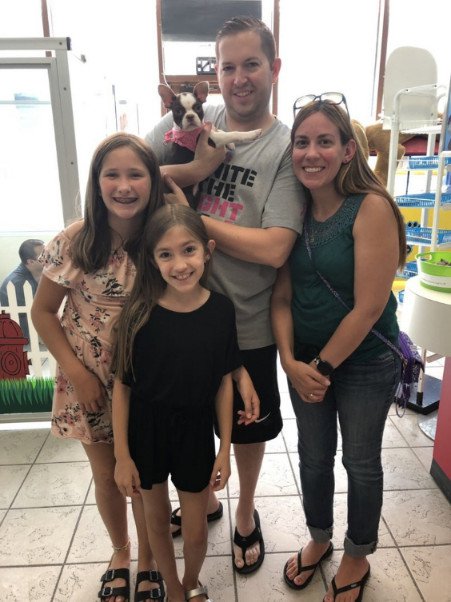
point(334, 98)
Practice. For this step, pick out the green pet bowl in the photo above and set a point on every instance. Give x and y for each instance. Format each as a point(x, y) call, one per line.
point(434, 270)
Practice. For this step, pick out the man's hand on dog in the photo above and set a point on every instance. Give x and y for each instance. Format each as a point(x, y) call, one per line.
point(207, 154)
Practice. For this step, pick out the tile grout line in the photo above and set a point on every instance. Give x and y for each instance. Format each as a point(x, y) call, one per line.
point(64, 563)
point(30, 466)
point(396, 546)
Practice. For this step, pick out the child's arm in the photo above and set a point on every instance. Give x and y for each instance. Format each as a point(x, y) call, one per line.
point(224, 413)
point(125, 472)
point(249, 396)
point(44, 313)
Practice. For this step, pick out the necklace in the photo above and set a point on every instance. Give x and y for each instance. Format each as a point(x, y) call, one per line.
point(117, 242)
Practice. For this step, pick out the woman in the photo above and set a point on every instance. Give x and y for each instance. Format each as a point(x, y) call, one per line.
point(354, 237)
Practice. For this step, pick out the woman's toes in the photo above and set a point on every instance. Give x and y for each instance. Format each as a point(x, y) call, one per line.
point(253, 555)
point(292, 568)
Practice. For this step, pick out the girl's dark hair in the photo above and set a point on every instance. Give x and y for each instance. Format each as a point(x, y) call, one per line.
point(149, 284)
point(91, 246)
point(355, 177)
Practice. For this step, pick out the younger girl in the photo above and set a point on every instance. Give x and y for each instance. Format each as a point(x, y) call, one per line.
point(177, 347)
point(90, 265)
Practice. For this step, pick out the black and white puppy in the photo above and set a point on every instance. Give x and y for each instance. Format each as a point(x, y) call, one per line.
point(188, 115)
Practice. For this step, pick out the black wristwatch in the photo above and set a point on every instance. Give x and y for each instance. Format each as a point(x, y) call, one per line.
point(322, 366)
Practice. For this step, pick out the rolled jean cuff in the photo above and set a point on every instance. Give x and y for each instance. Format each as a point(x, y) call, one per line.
point(359, 551)
point(320, 535)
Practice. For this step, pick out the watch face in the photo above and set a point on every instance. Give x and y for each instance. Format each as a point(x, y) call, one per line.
point(324, 368)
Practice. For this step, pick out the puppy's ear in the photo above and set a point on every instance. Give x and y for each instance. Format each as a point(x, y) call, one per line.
point(166, 94)
point(201, 91)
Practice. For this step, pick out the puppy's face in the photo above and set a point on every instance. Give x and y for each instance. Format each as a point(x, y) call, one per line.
point(187, 111)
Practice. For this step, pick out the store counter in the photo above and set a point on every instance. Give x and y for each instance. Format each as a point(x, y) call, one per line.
point(426, 317)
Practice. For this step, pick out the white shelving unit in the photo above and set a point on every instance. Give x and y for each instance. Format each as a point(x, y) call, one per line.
point(425, 399)
point(415, 111)
point(412, 101)
point(424, 235)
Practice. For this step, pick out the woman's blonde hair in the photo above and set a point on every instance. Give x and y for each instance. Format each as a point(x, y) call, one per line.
point(149, 284)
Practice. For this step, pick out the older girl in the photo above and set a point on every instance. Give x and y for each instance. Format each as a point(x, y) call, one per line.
point(90, 266)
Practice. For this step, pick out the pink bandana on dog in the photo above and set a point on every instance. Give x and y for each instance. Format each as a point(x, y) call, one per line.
point(182, 138)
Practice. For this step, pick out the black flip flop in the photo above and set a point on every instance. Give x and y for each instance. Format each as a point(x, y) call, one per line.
point(246, 542)
point(356, 584)
point(302, 569)
point(177, 520)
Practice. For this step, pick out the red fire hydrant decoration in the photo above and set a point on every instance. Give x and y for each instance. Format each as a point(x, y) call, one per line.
point(13, 359)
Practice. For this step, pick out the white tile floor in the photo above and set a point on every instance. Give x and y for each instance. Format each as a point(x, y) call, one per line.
point(53, 546)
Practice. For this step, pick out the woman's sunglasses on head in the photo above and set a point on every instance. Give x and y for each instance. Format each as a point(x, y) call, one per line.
point(334, 98)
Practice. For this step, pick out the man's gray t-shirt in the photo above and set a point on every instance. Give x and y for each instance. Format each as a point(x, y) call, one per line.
point(255, 188)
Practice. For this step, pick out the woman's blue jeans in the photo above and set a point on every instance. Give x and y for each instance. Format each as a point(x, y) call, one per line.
point(360, 395)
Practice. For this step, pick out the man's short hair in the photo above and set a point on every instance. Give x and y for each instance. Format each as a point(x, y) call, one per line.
point(239, 24)
point(27, 249)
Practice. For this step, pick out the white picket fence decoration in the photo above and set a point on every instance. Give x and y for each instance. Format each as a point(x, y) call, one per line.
point(42, 361)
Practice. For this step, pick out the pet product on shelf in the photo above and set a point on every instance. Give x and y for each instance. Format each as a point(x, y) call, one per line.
point(434, 269)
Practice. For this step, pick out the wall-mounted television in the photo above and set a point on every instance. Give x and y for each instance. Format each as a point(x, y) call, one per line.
point(199, 20)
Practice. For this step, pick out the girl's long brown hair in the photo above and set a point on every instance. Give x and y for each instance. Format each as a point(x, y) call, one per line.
point(149, 284)
point(91, 245)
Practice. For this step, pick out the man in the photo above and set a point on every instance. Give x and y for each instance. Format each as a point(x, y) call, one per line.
point(252, 207)
point(29, 270)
